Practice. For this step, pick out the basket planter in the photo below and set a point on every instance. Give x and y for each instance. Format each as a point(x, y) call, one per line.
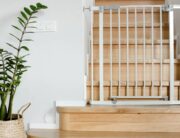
point(14, 128)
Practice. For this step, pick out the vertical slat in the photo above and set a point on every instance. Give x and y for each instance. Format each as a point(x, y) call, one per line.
point(136, 54)
point(127, 52)
point(92, 57)
point(111, 71)
point(171, 45)
point(119, 52)
point(152, 50)
point(144, 51)
point(161, 51)
point(101, 62)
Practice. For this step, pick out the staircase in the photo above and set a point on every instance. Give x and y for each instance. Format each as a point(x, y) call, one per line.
point(134, 69)
point(133, 54)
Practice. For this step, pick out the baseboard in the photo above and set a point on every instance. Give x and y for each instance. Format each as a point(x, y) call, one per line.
point(43, 126)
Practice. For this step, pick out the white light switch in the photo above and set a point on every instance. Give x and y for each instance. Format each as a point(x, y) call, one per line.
point(46, 26)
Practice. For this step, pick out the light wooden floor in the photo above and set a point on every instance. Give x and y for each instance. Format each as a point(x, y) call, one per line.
point(61, 134)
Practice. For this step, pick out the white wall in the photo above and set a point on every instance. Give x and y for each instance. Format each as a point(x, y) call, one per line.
point(56, 57)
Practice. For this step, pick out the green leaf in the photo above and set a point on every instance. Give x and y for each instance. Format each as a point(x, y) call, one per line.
point(33, 22)
point(2, 93)
point(40, 6)
point(25, 48)
point(34, 17)
point(14, 36)
point(27, 40)
point(17, 28)
point(24, 15)
point(9, 69)
point(20, 66)
point(29, 32)
point(22, 57)
point(11, 46)
point(32, 27)
point(21, 24)
point(27, 11)
point(33, 7)
point(20, 19)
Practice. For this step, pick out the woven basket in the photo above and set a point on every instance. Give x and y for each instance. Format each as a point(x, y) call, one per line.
point(14, 128)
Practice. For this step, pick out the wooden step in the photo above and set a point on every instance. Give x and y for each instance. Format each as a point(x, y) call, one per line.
point(120, 118)
point(82, 134)
point(128, 2)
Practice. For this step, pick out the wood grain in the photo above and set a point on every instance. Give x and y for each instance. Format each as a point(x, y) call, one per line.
point(121, 118)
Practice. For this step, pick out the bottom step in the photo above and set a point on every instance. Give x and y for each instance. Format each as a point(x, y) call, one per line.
point(121, 118)
point(61, 134)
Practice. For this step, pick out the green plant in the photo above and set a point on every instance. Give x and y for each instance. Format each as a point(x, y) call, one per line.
point(12, 64)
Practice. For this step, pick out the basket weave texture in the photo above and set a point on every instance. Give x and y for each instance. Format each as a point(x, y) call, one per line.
point(12, 128)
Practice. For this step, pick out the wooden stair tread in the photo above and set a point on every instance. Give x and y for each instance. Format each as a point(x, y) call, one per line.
point(69, 134)
point(132, 83)
point(123, 109)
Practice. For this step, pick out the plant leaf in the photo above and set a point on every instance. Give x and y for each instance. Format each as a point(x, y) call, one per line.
point(11, 46)
point(29, 32)
point(14, 36)
point(40, 6)
point(24, 15)
point(17, 28)
point(34, 17)
point(32, 27)
point(19, 18)
point(33, 22)
point(25, 48)
point(27, 40)
point(27, 11)
point(33, 7)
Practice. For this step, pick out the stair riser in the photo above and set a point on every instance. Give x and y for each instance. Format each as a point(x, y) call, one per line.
point(121, 122)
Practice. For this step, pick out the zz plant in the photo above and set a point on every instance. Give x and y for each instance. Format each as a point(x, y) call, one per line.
point(13, 60)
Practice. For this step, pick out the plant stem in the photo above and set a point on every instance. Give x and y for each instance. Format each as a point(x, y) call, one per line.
point(3, 109)
point(9, 115)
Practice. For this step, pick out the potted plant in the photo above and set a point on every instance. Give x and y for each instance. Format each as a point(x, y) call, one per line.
point(12, 67)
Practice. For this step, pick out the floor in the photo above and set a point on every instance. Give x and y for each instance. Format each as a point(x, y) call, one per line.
point(61, 134)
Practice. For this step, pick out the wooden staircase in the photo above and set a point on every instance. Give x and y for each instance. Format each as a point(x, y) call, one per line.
point(149, 83)
point(126, 121)
point(128, 118)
